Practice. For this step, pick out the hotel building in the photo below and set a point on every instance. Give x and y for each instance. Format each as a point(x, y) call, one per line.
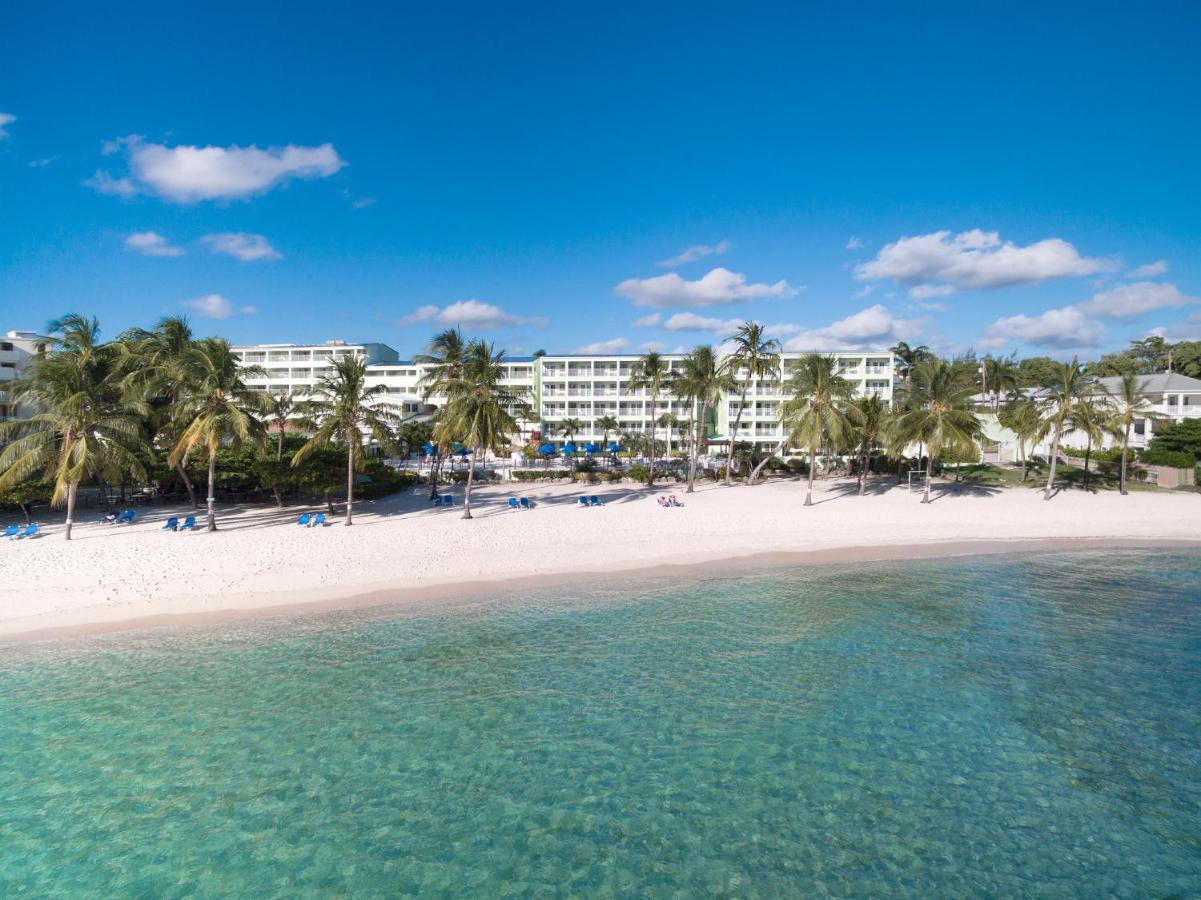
point(16, 349)
point(582, 387)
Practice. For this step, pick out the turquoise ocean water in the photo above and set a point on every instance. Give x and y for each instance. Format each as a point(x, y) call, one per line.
point(1014, 726)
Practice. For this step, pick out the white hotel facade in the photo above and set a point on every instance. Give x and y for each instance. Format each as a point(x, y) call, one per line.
point(583, 387)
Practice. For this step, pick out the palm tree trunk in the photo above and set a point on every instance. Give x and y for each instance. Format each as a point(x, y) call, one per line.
point(470, 477)
point(1022, 453)
point(694, 456)
point(929, 475)
point(349, 481)
point(1054, 459)
point(211, 499)
point(279, 455)
point(1088, 452)
point(72, 488)
point(754, 476)
point(650, 480)
point(862, 473)
point(434, 473)
point(187, 483)
point(734, 431)
point(1125, 446)
point(812, 471)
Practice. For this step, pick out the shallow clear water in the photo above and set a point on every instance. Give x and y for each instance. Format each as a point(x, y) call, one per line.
point(1023, 725)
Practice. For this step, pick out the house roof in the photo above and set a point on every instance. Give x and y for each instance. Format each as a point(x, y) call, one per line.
point(1157, 384)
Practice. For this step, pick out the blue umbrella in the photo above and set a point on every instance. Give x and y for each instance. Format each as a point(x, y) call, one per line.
point(591, 448)
point(615, 447)
point(569, 449)
point(464, 452)
point(546, 449)
point(427, 448)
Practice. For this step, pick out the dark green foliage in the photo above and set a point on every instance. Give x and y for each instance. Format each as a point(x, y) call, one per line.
point(1173, 458)
point(1179, 438)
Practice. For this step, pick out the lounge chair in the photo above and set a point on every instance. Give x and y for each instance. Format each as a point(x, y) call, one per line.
point(513, 503)
point(126, 517)
point(304, 519)
point(188, 524)
point(596, 501)
point(11, 531)
point(448, 500)
point(171, 524)
point(526, 503)
point(30, 531)
point(437, 499)
point(584, 502)
point(318, 521)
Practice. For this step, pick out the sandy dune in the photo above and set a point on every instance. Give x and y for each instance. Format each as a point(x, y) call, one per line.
point(258, 559)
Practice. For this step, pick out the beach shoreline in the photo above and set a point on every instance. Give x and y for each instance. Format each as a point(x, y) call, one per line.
point(402, 553)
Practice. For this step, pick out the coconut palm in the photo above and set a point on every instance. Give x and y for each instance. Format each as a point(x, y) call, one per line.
point(83, 426)
point(910, 357)
point(151, 361)
point(1088, 418)
point(570, 428)
point(650, 372)
point(443, 359)
point(479, 407)
point(814, 415)
point(1126, 406)
point(999, 375)
point(701, 381)
point(606, 424)
point(754, 356)
point(281, 411)
point(870, 418)
point(1020, 415)
point(347, 411)
point(669, 422)
point(938, 414)
point(1066, 387)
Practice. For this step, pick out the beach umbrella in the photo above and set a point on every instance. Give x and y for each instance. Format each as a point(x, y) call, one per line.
point(546, 449)
point(427, 448)
point(569, 449)
point(463, 452)
point(591, 448)
point(615, 447)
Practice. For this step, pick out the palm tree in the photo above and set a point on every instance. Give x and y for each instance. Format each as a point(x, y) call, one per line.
point(1127, 405)
point(443, 359)
point(669, 422)
point(82, 425)
point(1020, 415)
point(1089, 418)
point(606, 424)
point(756, 355)
point(910, 357)
point(701, 381)
point(570, 428)
point(346, 410)
point(998, 375)
point(216, 408)
point(280, 411)
point(1065, 388)
point(479, 408)
point(814, 414)
point(151, 359)
point(939, 413)
point(870, 418)
point(650, 372)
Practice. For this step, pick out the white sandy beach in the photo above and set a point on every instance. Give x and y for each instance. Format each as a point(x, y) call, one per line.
point(400, 549)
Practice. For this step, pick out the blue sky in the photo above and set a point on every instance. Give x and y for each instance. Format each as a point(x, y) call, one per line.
point(1000, 178)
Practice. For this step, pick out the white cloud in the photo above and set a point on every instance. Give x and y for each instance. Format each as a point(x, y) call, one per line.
point(874, 326)
point(854, 243)
point(925, 291)
point(41, 163)
point(1187, 329)
point(188, 174)
point(151, 243)
point(362, 202)
point(1061, 329)
point(647, 321)
point(104, 183)
point(864, 291)
point(1135, 299)
point(1150, 270)
point(695, 252)
point(687, 321)
point(242, 246)
point(976, 260)
point(470, 314)
point(616, 345)
point(6, 119)
point(214, 306)
point(649, 346)
point(719, 287)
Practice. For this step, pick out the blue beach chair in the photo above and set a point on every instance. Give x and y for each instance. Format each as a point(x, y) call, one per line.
point(11, 531)
point(171, 524)
point(448, 500)
point(437, 500)
point(583, 501)
point(126, 517)
point(188, 524)
point(318, 521)
point(304, 519)
point(513, 503)
point(526, 504)
point(596, 501)
point(30, 531)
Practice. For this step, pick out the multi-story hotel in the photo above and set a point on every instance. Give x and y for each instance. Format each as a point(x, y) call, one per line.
point(564, 387)
point(16, 349)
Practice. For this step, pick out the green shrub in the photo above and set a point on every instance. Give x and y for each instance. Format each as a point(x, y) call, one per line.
point(639, 472)
point(1173, 458)
point(540, 475)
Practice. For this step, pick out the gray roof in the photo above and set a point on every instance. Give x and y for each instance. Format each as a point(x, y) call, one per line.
point(1170, 382)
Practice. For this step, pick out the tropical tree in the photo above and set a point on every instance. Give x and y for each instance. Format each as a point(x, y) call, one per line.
point(650, 373)
point(1066, 388)
point(347, 412)
point(999, 375)
point(279, 412)
point(606, 424)
point(443, 359)
point(669, 422)
point(754, 356)
point(83, 426)
point(814, 414)
point(909, 357)
point(1021, 416)
point(701, 381)
point(153, 374)
point(870, 418)
point(938, 414)
point(1088, 418)
point(570, 427)
point(1127, 404)
point(480, 408)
